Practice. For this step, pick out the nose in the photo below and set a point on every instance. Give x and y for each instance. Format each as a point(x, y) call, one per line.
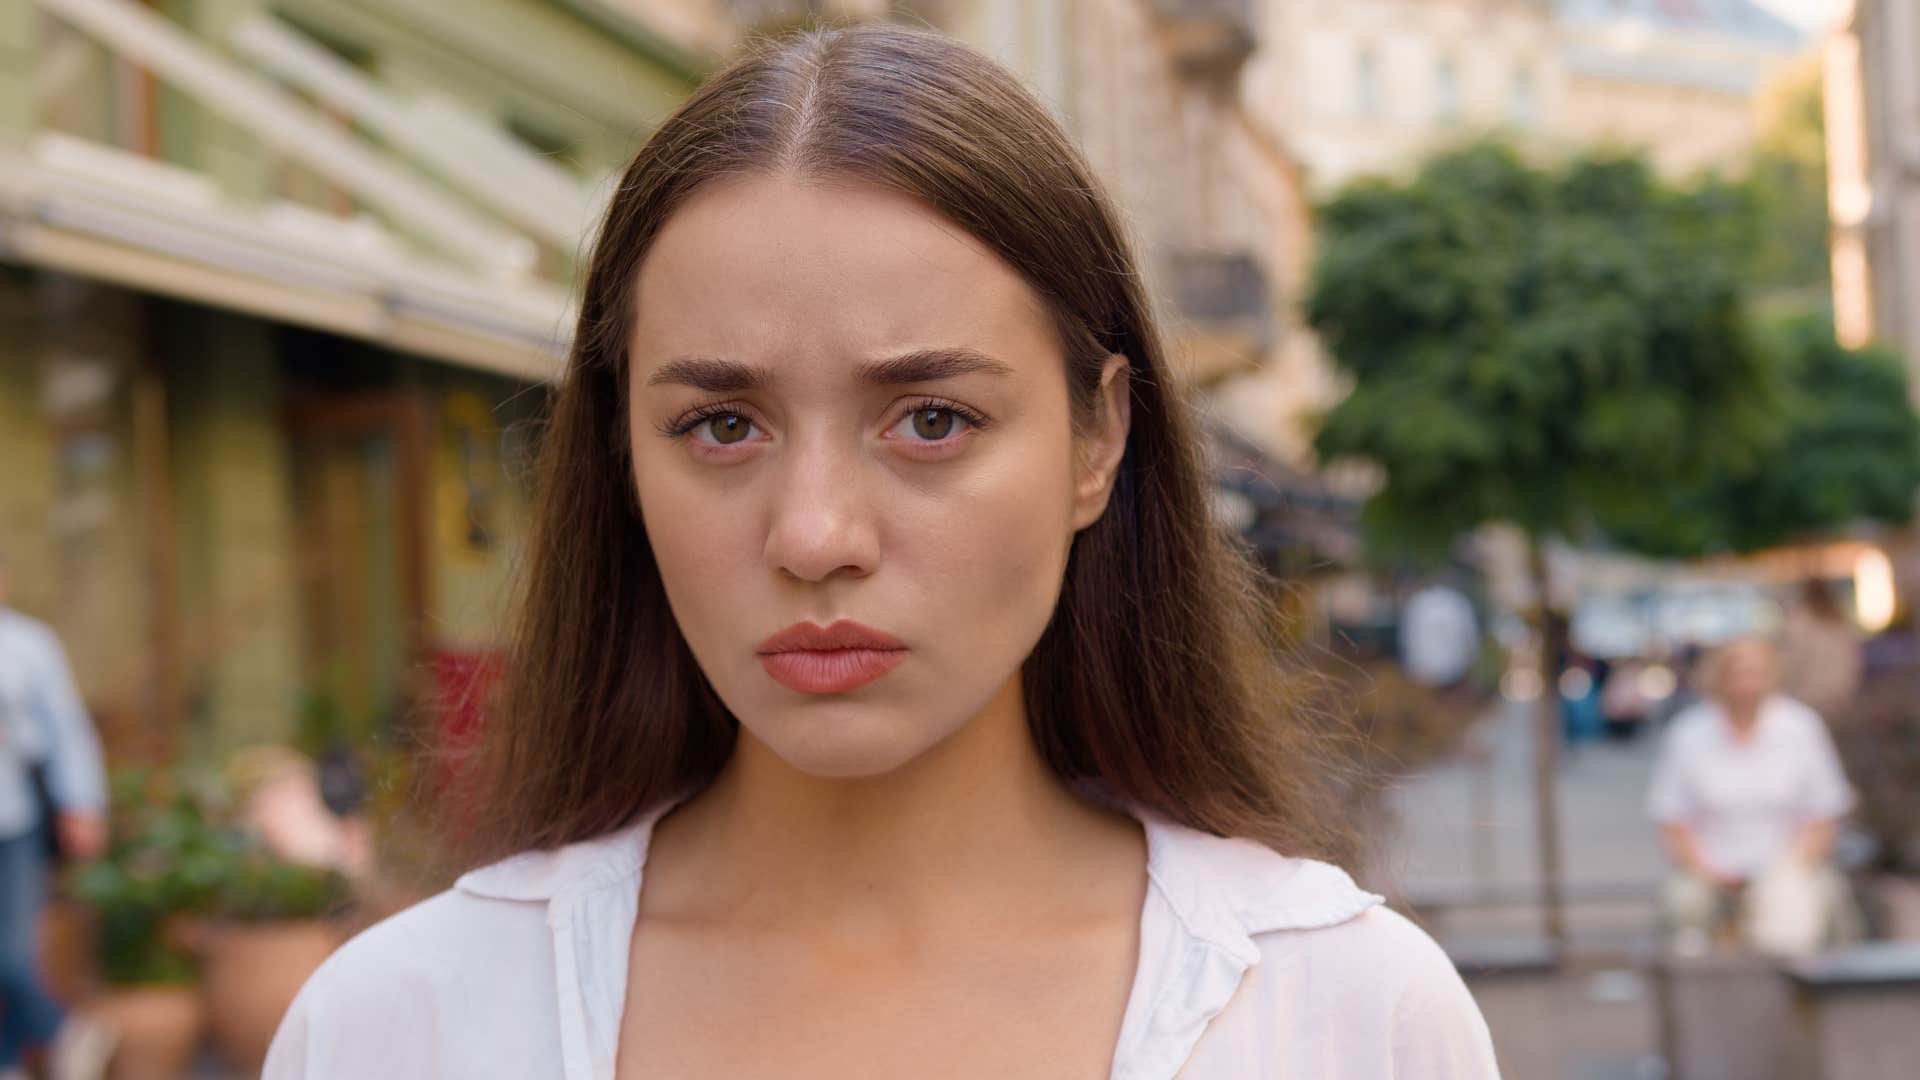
point(822, 525)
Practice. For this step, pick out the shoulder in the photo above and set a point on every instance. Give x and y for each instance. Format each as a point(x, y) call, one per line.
point(26, 631)
point(1377, 961)
point(464, 984)
point(386, 1002)
point(438, 934)
point(1324, 953)
point(1796, 717)
point(432, 951)
point(1691, 727)
point(1379, 994)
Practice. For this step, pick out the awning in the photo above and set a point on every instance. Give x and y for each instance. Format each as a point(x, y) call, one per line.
point(92, 210)
point(469, 294)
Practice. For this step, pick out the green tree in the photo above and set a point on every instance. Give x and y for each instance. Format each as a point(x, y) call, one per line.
point(1558, 349)
point(1847, 451)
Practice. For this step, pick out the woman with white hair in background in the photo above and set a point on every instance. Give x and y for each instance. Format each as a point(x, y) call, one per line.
point(1748, 793)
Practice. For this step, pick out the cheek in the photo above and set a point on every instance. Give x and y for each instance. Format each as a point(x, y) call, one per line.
point(991, 552)
point(703, 543)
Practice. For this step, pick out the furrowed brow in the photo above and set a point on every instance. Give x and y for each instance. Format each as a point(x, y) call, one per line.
point(710, 375)
point(927, 365)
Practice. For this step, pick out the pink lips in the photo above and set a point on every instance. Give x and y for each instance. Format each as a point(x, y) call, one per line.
point(838, 659)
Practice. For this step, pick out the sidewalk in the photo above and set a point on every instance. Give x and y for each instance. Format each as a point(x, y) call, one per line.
point(1465, 833)
point(1464, 856)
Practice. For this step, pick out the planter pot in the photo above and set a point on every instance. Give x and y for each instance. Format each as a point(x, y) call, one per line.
point(159, 1029)
point(250, 974)
point(67, 949)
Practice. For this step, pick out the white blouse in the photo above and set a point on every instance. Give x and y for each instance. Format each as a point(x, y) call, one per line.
point(1252, 966)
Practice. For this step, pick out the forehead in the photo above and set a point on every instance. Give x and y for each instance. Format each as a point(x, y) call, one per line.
point(779, 269)
point(1748, 655)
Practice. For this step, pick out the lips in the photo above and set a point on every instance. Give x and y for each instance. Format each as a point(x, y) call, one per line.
point(837, 659)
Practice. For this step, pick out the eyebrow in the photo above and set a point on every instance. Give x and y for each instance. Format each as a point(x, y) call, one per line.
point(716, 376)
point(927, 365)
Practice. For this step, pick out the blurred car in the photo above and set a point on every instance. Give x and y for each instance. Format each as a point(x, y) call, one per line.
point(1635, 691)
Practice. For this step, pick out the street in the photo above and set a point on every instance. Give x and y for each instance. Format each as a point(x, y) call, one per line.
point(1463, 857)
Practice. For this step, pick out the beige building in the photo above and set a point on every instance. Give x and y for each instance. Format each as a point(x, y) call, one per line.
point(1153, 91)
point(1371, 86)
point(1873, 160)
point(1678, 79)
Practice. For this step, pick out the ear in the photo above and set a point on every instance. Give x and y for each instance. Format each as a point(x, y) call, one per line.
point(1101, 449)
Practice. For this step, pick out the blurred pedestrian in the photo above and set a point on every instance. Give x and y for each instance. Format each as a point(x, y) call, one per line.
point(1820, 655)
point(49, 755)
point(1439, 636)
point(1748, 792)
point(1582, 681)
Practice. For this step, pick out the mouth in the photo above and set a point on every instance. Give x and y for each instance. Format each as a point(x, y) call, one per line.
point(837, 659)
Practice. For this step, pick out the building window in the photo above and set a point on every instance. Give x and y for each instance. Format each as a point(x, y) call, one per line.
point(1366, 82)
point(1446, 91)
point(1523, 103)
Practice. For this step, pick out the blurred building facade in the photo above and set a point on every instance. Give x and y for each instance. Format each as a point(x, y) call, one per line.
point(1873, 159)
point(281, 280)
point(1678, 78)
point(1372, 86)
point(1154, 92)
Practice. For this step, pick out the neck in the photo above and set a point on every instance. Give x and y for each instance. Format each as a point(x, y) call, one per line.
point(976, 816)
point(1744, 716)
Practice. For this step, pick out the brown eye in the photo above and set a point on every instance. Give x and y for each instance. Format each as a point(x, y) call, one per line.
point(933, 424)
point(729, 428)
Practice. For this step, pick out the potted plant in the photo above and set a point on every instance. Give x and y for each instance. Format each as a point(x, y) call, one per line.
point(270, 924)
point(163, 863)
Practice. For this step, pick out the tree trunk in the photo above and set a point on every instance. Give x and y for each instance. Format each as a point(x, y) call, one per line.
point(1551, 633)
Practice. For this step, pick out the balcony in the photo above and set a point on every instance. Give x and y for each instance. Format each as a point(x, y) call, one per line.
point(1223, 311)
point(1208, 38)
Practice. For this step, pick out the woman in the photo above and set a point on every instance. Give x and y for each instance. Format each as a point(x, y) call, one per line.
point(1748, 792)
point(884, 699)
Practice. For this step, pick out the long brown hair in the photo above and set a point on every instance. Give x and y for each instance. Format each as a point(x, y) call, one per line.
point(1156, 678)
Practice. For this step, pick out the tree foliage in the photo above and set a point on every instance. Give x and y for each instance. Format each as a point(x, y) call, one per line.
point(1556, 348)
point(1787, 179)
point(1847, 451)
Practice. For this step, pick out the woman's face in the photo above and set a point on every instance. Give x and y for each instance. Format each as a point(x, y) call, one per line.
point(849, 416)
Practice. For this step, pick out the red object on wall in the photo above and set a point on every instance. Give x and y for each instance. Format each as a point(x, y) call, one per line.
point(462, 681)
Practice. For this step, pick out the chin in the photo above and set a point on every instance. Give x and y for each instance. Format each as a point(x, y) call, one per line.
point(847, 742)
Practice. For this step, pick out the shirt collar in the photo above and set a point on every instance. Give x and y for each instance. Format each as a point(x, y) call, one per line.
point(1207, 899)
point(1766, 717)
point(1222, 890)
